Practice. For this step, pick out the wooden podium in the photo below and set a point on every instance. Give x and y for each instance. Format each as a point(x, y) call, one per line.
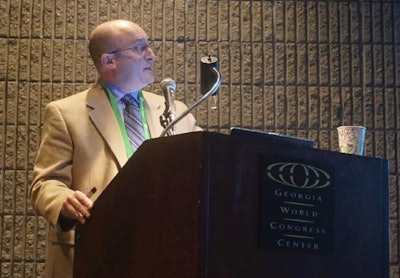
point(209, 205)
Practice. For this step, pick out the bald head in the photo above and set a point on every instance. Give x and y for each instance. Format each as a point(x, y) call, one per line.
point(109, 36)
point(122, 55)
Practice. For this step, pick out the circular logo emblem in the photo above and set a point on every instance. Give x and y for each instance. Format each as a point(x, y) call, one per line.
point(298, 175)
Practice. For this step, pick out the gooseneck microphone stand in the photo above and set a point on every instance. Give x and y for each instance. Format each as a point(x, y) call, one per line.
point(213, 89)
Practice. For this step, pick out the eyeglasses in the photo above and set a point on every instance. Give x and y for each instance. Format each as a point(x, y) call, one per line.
point(139, 49)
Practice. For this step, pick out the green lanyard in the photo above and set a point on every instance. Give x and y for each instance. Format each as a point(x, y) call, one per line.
point(114, 105)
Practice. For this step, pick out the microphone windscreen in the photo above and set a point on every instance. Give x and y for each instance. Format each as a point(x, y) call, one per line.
point(168, 82)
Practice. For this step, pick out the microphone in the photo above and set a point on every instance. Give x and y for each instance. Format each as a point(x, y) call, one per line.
point(168, 86)
point(208, 77)
point(210, 91)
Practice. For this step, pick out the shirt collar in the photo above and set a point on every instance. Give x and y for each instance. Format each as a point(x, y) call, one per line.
point(118, 93)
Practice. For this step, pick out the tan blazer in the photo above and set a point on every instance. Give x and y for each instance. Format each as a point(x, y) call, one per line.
point(82, 147)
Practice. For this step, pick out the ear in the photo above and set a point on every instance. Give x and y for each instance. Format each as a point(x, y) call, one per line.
point(107, 60)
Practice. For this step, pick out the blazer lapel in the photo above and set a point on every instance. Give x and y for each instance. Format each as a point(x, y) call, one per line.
point(104, 119)
point(154, 108)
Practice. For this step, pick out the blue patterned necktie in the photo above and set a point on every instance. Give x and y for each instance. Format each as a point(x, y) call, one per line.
point(133, 121)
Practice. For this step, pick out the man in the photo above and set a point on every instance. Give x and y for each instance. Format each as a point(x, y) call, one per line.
point(85, 141)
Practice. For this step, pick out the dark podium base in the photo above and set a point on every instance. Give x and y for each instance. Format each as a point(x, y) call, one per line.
point(210, 205)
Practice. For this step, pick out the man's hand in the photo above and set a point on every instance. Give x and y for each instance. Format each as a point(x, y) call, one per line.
point(77, 206)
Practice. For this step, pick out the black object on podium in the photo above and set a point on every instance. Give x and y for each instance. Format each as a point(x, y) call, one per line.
point(210, 205)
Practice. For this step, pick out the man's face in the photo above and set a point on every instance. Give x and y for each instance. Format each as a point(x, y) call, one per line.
point(134, 60)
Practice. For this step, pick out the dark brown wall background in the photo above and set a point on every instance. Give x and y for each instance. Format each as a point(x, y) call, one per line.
point(296, 67)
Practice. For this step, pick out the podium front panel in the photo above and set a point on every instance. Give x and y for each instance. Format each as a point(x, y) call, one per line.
point(199, 205)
